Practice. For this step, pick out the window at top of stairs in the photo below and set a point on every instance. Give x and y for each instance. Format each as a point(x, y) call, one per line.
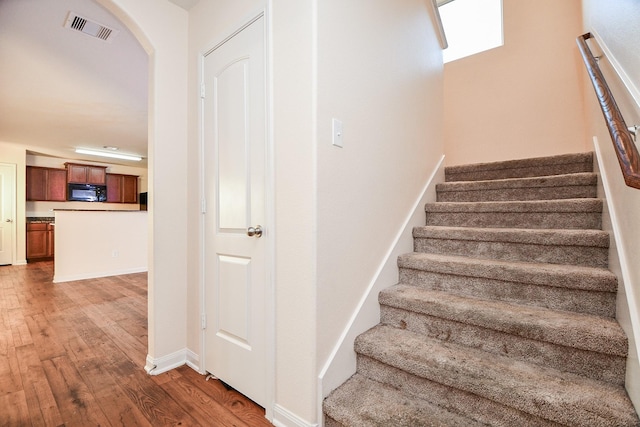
point(471, 26)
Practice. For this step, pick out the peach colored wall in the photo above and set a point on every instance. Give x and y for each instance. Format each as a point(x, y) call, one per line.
point(523, 99)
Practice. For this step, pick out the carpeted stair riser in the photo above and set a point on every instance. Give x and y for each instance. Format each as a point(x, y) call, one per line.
point(549, 214)
point(365, 396)
point(588, 248)
point(541, 166)
point(484, 411)
point(543, 392)
point(579, 289)
point(517, 335)
point(536, 188)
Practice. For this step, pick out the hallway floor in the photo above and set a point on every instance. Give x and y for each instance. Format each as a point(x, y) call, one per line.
point(73, 354)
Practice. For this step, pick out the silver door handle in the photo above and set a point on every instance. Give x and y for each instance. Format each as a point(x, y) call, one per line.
point(257, 231)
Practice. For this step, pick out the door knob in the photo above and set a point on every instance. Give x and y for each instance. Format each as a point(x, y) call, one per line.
point(10, 220)
point(254, 231)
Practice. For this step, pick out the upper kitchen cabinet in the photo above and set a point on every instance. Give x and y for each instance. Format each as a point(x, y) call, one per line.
point(122, 188)
point(86, 174)
point(46, 184)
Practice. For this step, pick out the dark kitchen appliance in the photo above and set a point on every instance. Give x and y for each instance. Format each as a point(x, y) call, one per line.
point(143, 201)
point(87, 193)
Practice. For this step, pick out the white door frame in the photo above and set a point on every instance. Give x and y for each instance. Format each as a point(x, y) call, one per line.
point(14, 200)
point(269, 208)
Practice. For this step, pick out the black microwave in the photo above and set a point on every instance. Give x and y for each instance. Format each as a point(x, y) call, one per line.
point(87, 193)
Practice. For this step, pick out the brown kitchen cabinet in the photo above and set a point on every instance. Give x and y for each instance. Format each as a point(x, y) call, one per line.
point(122, 188)
point(86, 174)
point(46, 184)
point(40, 240)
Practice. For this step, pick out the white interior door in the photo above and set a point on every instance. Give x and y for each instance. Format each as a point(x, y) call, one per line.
point(7, 212)
point(234, 133)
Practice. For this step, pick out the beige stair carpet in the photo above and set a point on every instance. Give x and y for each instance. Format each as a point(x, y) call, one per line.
point(504, 314)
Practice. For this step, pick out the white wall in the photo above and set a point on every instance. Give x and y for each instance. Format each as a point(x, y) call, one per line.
point(615, 23)
point(99, 244)
point(523, 99)
point(293, 34)
point(380, 73)
point(162, 29)
point(376, 66)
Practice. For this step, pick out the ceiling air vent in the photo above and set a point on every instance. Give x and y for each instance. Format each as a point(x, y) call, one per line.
point(84, 25)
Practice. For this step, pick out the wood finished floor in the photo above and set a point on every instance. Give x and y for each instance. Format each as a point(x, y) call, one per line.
point(72, 354)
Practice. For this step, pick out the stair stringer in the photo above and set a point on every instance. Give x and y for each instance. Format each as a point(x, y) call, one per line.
point(341, 363)
point(627, 309)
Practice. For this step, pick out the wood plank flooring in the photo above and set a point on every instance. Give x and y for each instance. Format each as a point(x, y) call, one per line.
point(72, 354)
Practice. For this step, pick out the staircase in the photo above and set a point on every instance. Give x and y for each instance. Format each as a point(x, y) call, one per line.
point(503, 315)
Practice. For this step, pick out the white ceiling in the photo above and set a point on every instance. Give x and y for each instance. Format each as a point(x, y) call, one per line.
point(61, 89)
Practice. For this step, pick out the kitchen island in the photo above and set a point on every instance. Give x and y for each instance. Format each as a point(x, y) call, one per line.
point(90, 244)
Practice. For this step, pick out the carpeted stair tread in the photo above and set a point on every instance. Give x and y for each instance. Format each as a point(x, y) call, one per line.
point(538, 236)
point(457, 401)
point(567, 186)
point(578, 247)
point(590, 364)
point(539, 166)
point(556, 214)
point(362, 402)
point(566, 276)
point(592, 333)
point(548, 393)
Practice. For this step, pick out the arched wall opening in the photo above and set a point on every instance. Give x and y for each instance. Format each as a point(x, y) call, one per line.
point(162, 30)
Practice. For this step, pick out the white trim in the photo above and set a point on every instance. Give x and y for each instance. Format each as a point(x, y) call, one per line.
point(14, 214)
point(193, 361)
point(624, 77)
point(160, 365)
point(442, 37)
point(340, 364)
point(623, 258)
point(86, 276)
point(270, 219)
point(269, 302)
point(285, 418)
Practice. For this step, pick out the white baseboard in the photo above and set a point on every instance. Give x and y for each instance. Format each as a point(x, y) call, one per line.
point(160, 365)
point(627, 265)
point(96, 275)
point(285, 418)
point(20, 262)
point(193, 361)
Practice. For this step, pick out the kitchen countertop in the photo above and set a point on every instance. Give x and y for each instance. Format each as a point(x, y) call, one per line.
point(40, 219)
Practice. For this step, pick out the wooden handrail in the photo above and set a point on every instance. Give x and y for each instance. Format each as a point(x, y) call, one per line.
point(623, 143)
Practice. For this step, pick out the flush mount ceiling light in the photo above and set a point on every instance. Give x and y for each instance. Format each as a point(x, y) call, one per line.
point(108, 154)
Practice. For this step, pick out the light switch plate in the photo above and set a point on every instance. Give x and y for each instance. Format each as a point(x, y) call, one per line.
point(336, 125)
